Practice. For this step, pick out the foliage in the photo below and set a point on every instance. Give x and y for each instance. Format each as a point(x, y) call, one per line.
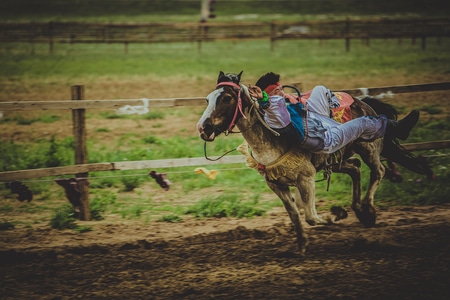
point(417, 190)
point(225, 205)
point(81, 229)
point(22, 120)
point(130, 182)
point(100, 203)
point(63, 218)
point(432, 109)
point(102, 181)
point(172, 218)
point(41, 154)
point(132, 211)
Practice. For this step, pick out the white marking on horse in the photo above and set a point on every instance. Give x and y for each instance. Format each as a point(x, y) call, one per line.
point(212, 98)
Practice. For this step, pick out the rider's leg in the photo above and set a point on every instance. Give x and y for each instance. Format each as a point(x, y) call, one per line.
point(367, 128)
point(322, 100)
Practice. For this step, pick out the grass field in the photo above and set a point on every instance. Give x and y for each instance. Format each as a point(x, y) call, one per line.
point(41, 139)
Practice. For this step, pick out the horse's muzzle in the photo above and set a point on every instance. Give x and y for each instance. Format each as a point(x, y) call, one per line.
point(206, 130)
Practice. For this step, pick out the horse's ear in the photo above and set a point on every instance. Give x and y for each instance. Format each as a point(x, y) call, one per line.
point(221, 74)
point(239, 76)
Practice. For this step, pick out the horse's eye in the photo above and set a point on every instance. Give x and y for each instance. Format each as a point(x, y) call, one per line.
point(226, 98)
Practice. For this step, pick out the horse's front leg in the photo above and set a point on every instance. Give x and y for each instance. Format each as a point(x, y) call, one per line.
point(284, 193)
point(377, 171)
point(352, 167)
point(365, 210)
point(305, 193)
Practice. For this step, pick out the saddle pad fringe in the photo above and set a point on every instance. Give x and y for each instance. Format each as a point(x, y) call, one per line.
point(280, 167)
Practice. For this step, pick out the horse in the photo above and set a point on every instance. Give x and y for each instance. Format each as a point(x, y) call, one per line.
point(284, 166)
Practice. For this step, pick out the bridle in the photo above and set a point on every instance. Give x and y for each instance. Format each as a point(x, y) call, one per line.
point(239, 109)
point(238, 105)
point(233, 121)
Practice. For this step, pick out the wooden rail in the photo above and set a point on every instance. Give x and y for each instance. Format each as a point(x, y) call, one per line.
point(115, 166)
point(126, 33)
point(98, 104)
point(194, 101)
point(162, 163)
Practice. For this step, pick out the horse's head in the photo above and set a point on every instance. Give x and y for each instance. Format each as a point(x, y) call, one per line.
point(225, 107)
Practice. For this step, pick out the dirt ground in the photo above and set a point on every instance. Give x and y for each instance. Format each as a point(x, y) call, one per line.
point(406, 256)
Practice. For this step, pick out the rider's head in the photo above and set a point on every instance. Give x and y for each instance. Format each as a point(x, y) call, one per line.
point(270, 83)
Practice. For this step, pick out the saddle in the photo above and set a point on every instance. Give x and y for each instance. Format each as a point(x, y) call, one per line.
point(342, 113)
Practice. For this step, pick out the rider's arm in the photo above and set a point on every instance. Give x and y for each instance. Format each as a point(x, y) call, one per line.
point(264, 101)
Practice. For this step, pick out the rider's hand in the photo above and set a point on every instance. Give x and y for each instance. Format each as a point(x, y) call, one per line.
point(292, 99)
point(255, 92)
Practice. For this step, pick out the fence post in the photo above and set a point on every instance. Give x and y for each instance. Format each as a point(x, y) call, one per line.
point(347, 35)
point(273, 35)
point(79, 132)
point(50, 36)
point(424, 42)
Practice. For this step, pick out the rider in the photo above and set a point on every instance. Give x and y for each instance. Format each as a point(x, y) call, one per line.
point(320, 133)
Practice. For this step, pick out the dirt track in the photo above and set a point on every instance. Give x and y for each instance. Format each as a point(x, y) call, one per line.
point(404, 257)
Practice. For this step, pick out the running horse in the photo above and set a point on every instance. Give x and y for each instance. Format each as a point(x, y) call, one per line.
point(284, 166)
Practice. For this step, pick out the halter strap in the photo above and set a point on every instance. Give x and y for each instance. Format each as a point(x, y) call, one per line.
point(238, 105)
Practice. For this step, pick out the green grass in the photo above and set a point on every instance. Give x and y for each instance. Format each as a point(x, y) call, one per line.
point(382, 58)
point(229, 204)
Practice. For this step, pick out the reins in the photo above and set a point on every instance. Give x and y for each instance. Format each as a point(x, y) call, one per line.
point(215, 159)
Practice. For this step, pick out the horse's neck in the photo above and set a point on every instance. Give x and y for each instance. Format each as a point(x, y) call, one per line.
point(265, 146)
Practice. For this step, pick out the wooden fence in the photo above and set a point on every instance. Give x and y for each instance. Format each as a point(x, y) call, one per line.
point(78, 107)
point(126, 33)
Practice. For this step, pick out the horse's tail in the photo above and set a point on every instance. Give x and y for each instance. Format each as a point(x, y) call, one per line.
point(392, 150)
point(381, 108)
point(395, 152)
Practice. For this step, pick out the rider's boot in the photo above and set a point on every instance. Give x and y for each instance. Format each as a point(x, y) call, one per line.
point(400, 129)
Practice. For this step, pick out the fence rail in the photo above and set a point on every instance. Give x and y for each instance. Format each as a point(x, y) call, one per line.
point(125, 33)
point(193, 101)
point(164, 163)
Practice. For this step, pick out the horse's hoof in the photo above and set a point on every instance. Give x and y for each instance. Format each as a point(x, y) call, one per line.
point(339, 213)
point(367, 216)
point(303, 249)
point(369, 221)
point(315, 222)
point(303, 244)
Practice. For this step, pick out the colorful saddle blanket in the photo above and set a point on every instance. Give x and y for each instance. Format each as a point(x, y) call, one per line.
point(342, 113)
